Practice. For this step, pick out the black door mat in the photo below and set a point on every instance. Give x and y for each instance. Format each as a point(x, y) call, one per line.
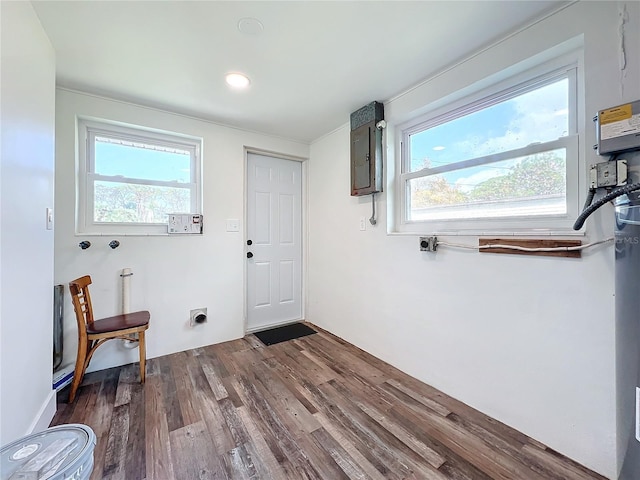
point(282, 334)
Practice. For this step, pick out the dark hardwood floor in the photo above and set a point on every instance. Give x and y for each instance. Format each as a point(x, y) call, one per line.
point(312, 408)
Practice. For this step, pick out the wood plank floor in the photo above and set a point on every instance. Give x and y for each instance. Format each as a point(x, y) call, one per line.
point(312, 408)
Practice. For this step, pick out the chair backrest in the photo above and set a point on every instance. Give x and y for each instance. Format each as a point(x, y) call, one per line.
point(81, 299)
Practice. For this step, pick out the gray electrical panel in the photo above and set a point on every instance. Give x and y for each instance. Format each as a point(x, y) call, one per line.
point(366, 149)
point(618, 128)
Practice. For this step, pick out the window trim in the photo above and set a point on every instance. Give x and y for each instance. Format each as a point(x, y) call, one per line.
point(569, 66)
point(87, 130)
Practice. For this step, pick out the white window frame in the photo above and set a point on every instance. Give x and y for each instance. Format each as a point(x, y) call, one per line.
point(569, 65)
point(88, 129)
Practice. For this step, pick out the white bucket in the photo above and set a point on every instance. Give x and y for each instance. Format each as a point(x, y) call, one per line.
point(64, 452)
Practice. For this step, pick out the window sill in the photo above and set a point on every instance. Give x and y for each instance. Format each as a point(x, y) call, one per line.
point(138, 234)
point(493, 233)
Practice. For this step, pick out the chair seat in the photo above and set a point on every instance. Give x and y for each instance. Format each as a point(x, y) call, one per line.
point(119, 322)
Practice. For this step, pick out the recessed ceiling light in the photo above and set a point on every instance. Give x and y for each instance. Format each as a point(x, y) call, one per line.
point(250, 26)
point(237, 80)
point(439, 148)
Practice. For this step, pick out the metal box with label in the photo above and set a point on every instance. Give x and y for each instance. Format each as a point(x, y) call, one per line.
point(185, 223)
point(618, 128)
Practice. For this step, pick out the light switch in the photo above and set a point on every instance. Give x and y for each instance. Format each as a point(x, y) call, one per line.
point(49, 218)
point(233, 225)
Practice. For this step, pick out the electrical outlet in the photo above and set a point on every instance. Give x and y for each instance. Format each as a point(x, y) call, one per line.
point(233, 225)
point(363, 223)
point(198, 316)
point(428, 244)
point(608, 174)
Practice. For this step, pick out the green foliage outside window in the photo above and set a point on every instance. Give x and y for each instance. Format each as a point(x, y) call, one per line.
point(131, 203)
point(539, 175)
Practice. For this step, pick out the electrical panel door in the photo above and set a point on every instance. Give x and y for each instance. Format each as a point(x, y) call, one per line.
point(366, 150)
point(361, 149)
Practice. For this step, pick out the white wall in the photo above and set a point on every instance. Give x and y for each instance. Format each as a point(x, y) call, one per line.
point(527, 340)
point(26, 272)
point(172, 275)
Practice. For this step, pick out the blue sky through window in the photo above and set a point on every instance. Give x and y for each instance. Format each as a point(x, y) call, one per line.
point(143, 163)
point(540, 115)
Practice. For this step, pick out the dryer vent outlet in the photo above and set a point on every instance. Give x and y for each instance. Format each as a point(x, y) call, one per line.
point(198, 316)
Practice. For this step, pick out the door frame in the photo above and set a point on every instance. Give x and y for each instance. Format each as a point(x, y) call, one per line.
point(303, 225)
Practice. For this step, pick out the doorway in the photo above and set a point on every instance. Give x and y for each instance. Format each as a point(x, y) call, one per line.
point(274, 241)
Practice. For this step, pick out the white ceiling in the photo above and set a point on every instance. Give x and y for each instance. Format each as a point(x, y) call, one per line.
point(313, 64)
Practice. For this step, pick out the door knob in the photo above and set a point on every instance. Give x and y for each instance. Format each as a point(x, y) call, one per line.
point(249, 254)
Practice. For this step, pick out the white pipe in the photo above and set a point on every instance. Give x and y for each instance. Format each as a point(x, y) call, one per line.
point(126, 290)
point(126, 306)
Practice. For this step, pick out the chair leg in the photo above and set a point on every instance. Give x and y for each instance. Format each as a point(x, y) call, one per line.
point(143, 356)
point(81, 365)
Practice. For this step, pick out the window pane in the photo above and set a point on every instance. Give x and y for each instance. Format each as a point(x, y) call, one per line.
point(531, 185)
point(540, 116)
point(116, 202)
point(140, 160)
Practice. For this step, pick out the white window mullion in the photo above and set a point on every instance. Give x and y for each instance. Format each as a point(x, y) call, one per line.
point(489, 159)
point(139, 181)
point(89, 211)
point(194, 198)
point(573, 100)
point(407, 200)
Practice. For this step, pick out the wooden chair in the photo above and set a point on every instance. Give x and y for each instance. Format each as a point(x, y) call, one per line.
point(93, 333)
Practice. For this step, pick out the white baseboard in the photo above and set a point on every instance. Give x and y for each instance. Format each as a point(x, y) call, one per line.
point(45, 415)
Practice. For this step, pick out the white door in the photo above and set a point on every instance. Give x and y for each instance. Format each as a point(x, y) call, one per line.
point(274, 241)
